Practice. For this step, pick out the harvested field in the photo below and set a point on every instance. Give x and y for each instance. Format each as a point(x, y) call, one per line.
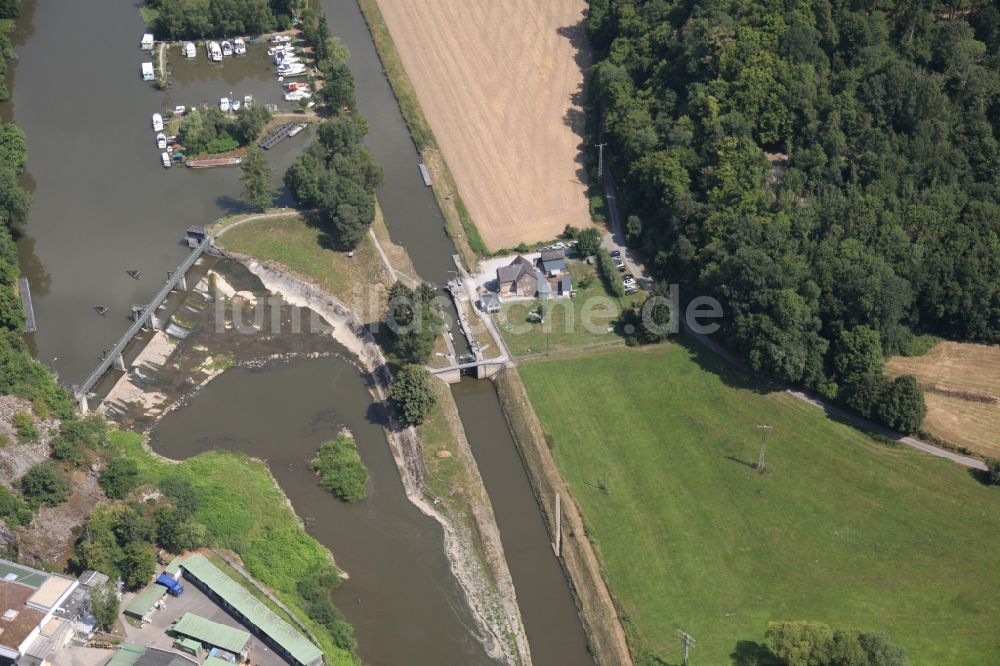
point(501, 86)
point(962, 384)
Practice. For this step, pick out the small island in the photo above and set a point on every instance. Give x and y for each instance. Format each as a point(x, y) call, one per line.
point(340, 468)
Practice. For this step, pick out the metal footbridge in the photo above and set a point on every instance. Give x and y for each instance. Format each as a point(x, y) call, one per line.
point(143, 318)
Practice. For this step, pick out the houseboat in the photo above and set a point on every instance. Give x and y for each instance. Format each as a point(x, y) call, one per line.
point(146, 44)
point(188, 50)
point(239, 46)
point(157, 122)
point(227, 48)
point(214, 52)
point(147, 71)
point(165, 158)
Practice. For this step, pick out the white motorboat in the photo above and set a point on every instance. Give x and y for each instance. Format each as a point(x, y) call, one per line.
point(227, 49)
point(224, 104)
point(165, 158)
point(281, 39)
point(295, 130)
point(188, 50)
point(239, 46)
point(180, 110)
point(235, 105)
point(161, 141)
point(214, 52)
point(286, 60)
point(247, 101)
point(296, 95)
point(157, 122)
point(293, 69)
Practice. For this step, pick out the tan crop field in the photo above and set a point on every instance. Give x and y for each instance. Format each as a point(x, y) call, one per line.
point(501, 86)
point(962, 385)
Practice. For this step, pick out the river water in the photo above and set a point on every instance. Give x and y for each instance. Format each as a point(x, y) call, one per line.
point(104, 205)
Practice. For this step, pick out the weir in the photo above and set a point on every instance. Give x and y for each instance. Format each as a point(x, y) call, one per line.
point(144, 317)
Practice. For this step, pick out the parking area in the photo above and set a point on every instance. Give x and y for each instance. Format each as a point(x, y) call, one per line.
point(154, 634)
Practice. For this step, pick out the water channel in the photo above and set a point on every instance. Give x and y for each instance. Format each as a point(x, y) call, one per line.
point(103, 205)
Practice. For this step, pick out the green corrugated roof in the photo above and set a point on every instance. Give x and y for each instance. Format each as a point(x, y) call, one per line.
point(215, 661)
point(127, 655)
point(297, 645)
point(144, 601)
point(189, 643)
point(21, 574)
point(174, 566)
point(212, 633)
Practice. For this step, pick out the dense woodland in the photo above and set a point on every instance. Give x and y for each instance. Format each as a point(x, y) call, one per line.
point(829, 170)
point(198, 19)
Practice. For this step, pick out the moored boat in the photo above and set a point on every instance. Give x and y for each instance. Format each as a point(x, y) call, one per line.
point(224, 104)
point(239, 46)
point(161, 141)
point(165, 158)
point(214, 52)
point(295, 130)
point(157, 122)
point(188, 50)
point(180, 110)
point(247, 101)
point(214, 162)
point(293, 69)
point(227, 48)
point(235, 104)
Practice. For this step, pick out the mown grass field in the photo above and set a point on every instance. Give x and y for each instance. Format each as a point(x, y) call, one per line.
point(246, 512)
point(841, 529)
point(961, 381)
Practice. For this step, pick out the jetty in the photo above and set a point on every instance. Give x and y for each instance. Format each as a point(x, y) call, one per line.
point(279, 134)
point(143, 317)
point(29, 310)
point(425, 174)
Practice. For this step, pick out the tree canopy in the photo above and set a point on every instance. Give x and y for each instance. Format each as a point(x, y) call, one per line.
point(826, 169)
point(198, 19)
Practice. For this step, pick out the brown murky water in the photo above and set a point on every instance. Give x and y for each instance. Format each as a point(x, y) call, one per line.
point(104, 205)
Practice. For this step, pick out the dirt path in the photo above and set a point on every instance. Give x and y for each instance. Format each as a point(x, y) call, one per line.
point(501, 85)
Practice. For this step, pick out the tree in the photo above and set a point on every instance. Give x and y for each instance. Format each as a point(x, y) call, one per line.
point(858, 353)
point(104, 606)
point(44, 486)
point(338, 85)
point(119, 477)
point(993, 471)
point(412, 395)
point(177, 532)
point(183, 494)
point(258, 193)
point(138, 564)
point(340, 469)
point(588, 242)
point(901, 406)
point(800, 642)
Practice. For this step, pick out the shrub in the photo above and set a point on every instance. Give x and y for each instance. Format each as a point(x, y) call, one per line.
point(119, 478)
point(901, 406)
point(24, 423)
point(13, 509)
point(612, 278)
point(993, 471)
point(222, 144)
point(44, 486)
point(67, 451)
point(588, 242)
point(340, 469)
point(411, 394)
point(104, 606)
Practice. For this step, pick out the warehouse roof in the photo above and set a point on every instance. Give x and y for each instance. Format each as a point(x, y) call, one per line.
point(174, 566)
point(279, 631)
point(212, 633)
point(127, 655)
point(145, 600)
point(215, 661)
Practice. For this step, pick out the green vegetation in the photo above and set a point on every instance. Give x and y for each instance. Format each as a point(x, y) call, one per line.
point(609, 272)
point(13, 510)
point(413, 324)
point(802, 643)
point(43, 485)
point(198, 19)
point(411, 395)
point(340, 469)
point(815, 167)
point(104, 606)
point(658, 446)
point(24, 423)
point(119, 478)
point(258, 193)
point(315, 592)
point(215, 132)
point(993, 471)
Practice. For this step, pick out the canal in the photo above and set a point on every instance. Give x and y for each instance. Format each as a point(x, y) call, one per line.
point(104, 205)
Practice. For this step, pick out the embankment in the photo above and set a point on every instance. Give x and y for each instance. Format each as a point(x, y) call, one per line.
point(475, 555)
point(600, 617)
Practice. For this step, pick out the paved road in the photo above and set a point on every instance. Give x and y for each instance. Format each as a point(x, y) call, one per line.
point(616, 240)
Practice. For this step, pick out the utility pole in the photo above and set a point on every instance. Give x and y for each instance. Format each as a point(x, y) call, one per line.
point(600, 160)
point(763, 445)
point(688, 643)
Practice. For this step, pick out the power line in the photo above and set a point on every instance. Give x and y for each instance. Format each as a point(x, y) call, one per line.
point(763, 445)
point(688, 643)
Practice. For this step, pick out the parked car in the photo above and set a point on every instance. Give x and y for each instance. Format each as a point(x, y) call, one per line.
point(631, 290)
point(616, 253)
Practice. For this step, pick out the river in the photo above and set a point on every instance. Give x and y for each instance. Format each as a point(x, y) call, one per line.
point(104, 205)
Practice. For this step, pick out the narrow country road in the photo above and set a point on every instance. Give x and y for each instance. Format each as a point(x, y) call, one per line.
point(616, 240)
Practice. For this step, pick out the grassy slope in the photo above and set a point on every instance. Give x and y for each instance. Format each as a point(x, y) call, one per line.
point(246, 512)
point(841, 529)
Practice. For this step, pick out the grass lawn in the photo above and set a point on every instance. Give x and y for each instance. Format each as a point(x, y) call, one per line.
point(564, 325)
point(304, 249)
point(246, 512)
point(841, 529)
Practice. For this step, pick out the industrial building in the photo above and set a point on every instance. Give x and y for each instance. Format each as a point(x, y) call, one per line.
point(211, 634)
point(236, 599)
point(32, 621)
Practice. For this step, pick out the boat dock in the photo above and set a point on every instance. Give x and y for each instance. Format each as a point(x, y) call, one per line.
point(29, 310)
point(215, 162)
point(425, 174)
point(275, 137)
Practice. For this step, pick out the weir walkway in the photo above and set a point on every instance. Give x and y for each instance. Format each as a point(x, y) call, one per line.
point(143, 317)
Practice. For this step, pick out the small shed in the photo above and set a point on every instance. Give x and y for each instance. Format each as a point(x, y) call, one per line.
point(490, 303)
point(145, 600)
point(147, 71)
point(188, 645)
point(146, 44)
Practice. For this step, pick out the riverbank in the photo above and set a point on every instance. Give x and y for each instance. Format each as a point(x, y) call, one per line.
point(458, 223)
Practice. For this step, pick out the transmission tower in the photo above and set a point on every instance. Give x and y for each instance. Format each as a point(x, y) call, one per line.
point(688, 643)
point(763, 445)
